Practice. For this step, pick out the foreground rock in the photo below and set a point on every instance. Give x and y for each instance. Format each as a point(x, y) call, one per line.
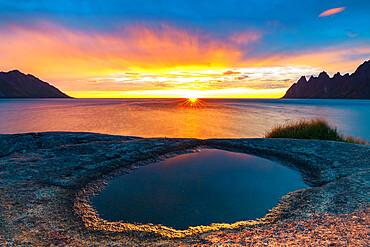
point(46, 180)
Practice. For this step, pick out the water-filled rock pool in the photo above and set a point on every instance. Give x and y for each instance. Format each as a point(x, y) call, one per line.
point(210, 186)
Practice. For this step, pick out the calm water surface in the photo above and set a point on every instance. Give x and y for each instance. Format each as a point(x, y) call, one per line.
point(197, 189)
point(220, 118)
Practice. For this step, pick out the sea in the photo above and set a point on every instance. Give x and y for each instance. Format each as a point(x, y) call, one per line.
point(204, 118)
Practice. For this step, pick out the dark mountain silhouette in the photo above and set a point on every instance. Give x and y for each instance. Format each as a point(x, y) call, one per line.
point(354, 86)
point(14, 84)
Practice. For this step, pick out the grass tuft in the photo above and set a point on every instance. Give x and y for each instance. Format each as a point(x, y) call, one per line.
point(356, 140)
point(311, 129)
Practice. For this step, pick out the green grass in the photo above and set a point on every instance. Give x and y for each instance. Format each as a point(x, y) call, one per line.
point(313, 129)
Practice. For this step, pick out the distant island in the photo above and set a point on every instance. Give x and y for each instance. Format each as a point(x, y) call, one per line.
point(14, 84)
point(354, 86)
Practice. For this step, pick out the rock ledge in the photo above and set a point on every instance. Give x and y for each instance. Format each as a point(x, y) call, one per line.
point(45, 180)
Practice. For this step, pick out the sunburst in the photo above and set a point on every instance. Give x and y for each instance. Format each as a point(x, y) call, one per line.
point(192, 103)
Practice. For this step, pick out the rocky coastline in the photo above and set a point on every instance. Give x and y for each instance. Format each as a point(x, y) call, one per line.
point(46, 179)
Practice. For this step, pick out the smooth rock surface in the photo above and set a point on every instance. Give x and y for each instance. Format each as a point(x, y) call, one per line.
point(44, 178)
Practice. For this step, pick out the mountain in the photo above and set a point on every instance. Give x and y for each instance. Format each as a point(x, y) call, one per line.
point(354, 86)
point(14, 84)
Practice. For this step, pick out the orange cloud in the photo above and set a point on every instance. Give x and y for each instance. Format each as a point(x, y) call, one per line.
point(53, 51)
point(139, 60)
point(332, 11)
point(230, 72)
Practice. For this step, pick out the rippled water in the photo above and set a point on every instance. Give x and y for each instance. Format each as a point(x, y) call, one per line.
point(197, 189)
point(219, 118)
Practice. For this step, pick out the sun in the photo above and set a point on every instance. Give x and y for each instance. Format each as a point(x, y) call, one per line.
point(193, 99)
point(192, 103)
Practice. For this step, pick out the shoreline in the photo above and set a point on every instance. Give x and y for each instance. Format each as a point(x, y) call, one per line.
point(44, 174)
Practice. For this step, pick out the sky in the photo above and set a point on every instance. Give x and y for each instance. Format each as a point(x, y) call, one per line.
point(142, 48)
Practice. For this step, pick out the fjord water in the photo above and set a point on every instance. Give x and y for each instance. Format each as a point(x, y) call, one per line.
point(210, 186)
point(219, 118)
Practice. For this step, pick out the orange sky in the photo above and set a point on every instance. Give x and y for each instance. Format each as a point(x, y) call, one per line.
point(140, 60)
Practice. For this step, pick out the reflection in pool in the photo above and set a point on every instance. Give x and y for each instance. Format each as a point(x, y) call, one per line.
point(210, 186)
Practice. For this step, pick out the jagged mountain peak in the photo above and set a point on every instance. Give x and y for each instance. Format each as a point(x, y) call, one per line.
point(364, 68)
point(302, 80)
point(323, 75)
point(337, 76)
point(354, 86)
point(14, 72)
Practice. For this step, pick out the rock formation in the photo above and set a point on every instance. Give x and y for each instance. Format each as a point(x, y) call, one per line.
point(14, 84)
point(354, 86)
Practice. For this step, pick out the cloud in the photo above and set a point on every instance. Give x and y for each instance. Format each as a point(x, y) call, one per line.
point(146, 56)
point(245, 37)
point(343, 58)
point(356, 56)
point(240, 78)
point(350, 33)
point(47, 48)
point(332, 11)
point(230, 72)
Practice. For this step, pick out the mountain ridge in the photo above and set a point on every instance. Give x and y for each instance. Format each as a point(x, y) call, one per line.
point(347, 86)
point(15, 84)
